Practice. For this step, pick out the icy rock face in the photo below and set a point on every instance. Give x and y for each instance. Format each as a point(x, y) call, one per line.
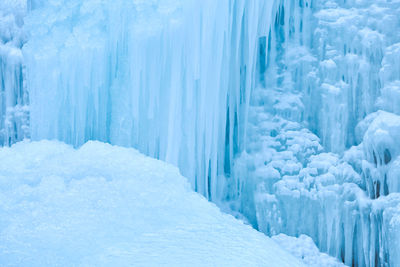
point(14, 115)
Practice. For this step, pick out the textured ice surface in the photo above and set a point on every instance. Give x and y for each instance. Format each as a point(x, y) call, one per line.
point(14, 124)
point(103, 205)
point(170, 78)
point(282, 112)
point(331, 65)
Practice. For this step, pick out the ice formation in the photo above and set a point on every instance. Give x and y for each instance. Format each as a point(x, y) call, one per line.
point(331, 72)
point(171, 78)
point(285, 113)
point(14, 124)
point(103, 205)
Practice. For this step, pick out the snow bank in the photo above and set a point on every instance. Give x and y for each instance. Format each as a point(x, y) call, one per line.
point(103, 205)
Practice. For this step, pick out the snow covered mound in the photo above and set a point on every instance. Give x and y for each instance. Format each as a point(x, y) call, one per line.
point(103, 205)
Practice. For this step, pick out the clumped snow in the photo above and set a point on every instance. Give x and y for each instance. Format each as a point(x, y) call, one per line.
point(103, 205)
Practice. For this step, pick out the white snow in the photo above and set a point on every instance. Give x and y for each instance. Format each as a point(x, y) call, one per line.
point(103, 205)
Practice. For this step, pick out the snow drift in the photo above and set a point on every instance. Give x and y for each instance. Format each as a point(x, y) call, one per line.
point(103, 205)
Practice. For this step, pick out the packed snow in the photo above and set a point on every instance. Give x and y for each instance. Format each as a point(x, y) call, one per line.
point(103, 205)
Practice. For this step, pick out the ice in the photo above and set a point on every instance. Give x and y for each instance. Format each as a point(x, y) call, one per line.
point(347, 205)
point(381, 151)
point(171, 78)
point(305, 249)
point(284, 113)
point(14, 118)
point(103, 205)
point(340, 59)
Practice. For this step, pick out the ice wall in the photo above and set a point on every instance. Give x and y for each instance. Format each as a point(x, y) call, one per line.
point(329, 65)
point(14, 118)
point(338, 57)
point(171, 78)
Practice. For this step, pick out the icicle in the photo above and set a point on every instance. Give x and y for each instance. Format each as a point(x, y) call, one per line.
point(158, 78)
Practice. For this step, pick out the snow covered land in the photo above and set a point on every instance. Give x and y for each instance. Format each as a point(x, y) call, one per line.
point(111, 206)
point(284, 113)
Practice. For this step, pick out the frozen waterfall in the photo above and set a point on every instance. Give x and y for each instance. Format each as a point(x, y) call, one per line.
point(285, 113)
point(171, 78)
point(14, 111)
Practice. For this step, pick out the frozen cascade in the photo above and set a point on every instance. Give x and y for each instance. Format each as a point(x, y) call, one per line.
point(330, 64)
point(280, 111)
point(171, 78)
point(14, 121)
